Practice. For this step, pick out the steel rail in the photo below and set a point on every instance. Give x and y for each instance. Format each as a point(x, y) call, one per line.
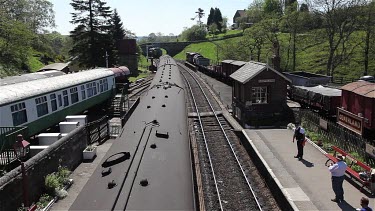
point(205, 142)
point(230, 145)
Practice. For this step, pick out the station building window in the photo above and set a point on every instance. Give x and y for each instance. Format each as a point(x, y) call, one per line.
point(41, 106)
point(66, 98)
point(18, 113)
point(83, 92)
point(259, 95)
point(74, 95)
point(53, 102)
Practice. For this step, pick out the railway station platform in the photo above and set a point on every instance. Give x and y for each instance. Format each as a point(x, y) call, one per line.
point(306, 183)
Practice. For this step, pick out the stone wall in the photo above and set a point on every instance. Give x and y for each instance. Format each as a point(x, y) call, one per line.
point(65, 152)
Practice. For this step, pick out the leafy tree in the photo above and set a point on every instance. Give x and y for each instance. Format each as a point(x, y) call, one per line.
point(255, 11)
point(340, 22)
point(272, 7)
point(213, 29)
point(91, 37)
point(254, 39)
point(40, 15)
point(194, 33)
point(293, 22)
point(368, 23)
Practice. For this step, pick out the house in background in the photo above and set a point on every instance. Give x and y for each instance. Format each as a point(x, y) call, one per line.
point(237, 17)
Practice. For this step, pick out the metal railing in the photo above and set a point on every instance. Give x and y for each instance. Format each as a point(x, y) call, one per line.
point(335, 134)
point(98, 131)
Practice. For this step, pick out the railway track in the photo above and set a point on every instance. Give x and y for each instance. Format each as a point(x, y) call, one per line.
point(227, 173)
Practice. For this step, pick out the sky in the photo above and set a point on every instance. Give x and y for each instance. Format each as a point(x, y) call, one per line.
point(143, 17)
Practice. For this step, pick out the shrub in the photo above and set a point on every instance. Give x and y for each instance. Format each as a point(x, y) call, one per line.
point(44, 200)
point(52, 183)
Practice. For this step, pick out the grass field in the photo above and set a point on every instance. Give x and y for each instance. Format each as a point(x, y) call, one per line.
point(312, 54)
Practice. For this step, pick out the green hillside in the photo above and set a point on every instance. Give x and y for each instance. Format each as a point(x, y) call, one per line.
point(312, 54)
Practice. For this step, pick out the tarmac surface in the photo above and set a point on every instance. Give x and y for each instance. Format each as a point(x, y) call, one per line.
point(306, 183)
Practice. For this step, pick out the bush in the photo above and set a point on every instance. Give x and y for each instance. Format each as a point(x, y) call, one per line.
point(52, 183)
point(44, 200)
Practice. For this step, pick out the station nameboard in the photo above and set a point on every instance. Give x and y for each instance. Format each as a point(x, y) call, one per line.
point(266, 80)
point(350, 121)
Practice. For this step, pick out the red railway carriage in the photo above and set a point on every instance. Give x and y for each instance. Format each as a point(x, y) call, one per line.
point(121, 73)
point(358, 107)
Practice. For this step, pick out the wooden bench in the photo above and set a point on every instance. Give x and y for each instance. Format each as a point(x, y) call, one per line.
point(350, 162)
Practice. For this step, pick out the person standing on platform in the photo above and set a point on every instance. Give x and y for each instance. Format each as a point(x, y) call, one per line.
point(364, 205)
point(299, 134)
point(338, 175)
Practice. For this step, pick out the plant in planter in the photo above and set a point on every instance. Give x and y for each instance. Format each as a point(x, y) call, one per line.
point(89, 153)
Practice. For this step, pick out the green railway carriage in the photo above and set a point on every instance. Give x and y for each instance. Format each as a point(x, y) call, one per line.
point(42, 103)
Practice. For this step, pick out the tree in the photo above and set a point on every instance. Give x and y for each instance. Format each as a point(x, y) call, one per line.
point(117, 33)
point(254, 40)
point(40, 15)
point(293, 21)
point(193, 33)
point(36, 14)
point(272, 7)
point(213, 29)
point(117, 28)
point(210, 18)
point(340, 22)
point(218, 19)
point(369, 29)
point(91, 37)
point(255, 11)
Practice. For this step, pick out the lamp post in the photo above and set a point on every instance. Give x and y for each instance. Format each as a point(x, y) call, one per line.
point(22, 149)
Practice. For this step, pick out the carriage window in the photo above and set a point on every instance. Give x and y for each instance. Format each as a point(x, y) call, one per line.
point(60, 100)
point(18, 113)
point(83, 92)
point(259, 95)
point(41, 106)
point(53, 102)
point(66, 98)
point(74, 95)
point(105, 82)
point(94, 88)
point(101, 86)
point(89, 90)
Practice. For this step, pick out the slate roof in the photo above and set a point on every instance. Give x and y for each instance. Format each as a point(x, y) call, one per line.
point(252, 69)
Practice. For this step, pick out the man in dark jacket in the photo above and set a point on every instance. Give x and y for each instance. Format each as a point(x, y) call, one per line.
point(299, 134)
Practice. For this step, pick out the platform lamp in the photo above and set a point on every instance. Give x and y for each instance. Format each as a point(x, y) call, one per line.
point(22, 149)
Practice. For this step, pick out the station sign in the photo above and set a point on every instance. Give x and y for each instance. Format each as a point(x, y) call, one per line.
point(266, 80)
point(350, 121)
